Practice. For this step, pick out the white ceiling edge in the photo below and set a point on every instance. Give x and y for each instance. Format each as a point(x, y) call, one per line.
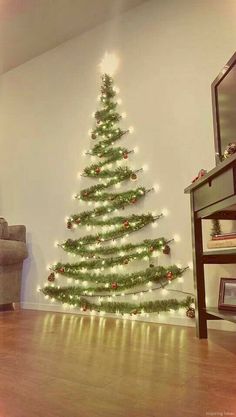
point(40, 25)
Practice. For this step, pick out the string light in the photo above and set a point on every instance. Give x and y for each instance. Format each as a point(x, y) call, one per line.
point(109, 63)
point(177, 238)
point(105, 170)
point(165, 212)
point(190, 265)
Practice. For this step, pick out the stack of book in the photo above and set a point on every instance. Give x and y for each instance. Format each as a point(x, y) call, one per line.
point(224, 240)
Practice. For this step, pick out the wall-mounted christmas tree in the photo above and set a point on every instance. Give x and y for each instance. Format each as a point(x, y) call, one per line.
point(102, 280)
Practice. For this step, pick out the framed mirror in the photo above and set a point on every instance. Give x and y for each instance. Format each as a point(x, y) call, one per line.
point(224, 108)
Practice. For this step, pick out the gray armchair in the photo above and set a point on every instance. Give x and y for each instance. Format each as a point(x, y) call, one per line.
point(13, 251)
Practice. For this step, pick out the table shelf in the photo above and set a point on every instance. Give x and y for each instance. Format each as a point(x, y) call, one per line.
point(220, 256)
point(221, 314)
point(211, 197)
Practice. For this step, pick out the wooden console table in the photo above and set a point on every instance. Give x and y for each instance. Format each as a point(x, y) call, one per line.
point(212, 197)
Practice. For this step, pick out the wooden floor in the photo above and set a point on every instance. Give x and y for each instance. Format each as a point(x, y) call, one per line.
point(61, 365)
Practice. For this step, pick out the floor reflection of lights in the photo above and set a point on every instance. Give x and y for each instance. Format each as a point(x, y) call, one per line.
point(130, 339)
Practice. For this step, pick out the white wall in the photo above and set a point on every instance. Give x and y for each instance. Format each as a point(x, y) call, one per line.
point(170, 52)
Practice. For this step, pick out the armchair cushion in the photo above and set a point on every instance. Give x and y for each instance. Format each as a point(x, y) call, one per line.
point(17, 233)
point(12, 252)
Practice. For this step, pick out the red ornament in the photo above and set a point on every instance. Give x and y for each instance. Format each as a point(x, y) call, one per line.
point(134, 200)
point(98, 170)
point(151, 249)
point(169, 276)
point(126, 261)
point(61, 270)
point(125, 155)
point(51, 277)
point(151, 265)
point(84, 308)
point(126, 224)
point(77, 221)
point(201, 174)
point(134, 312)
point(85, 193)
point(93, 136)
point(133, 177)
point(114, 285)
point(166, 250)
point(69, 224)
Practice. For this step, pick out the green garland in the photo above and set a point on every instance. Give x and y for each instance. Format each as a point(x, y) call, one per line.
point(86, 216)
point(161, 276)
point(111, 235)
point(73, 246)
point(151, 274)
point(71, 297)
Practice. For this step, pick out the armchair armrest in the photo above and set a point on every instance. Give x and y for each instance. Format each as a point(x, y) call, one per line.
point(17, 232)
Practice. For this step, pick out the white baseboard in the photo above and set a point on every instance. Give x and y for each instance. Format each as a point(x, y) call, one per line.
point(163, 318)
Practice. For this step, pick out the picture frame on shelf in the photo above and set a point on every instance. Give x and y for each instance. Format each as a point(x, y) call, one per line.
point(227, 294)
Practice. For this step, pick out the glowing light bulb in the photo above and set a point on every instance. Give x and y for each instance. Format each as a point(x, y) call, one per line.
point(145, 168)
point(136, 149)
point(123, 115)
point(131, 129)
point(177, 238)
point(119, 101)
point(165, 212)
point(109, 63)
point(156, 188)
point(56, 243)
point(116, 89)
point(190, 265)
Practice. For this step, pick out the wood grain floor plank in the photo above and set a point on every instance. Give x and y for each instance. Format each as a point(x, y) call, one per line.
point(62, 365)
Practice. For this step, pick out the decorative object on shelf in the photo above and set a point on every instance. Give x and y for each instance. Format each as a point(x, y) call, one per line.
point(229, 150)
point(227, 294)
point(216, 228)
point(223, 240)
point(103, 281)
point(200, 174)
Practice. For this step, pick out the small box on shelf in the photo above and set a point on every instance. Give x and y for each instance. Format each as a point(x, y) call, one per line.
point(221, 243)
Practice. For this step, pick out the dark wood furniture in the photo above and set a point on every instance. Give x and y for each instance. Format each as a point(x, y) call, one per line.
point(212, 197)
point(223, 91)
